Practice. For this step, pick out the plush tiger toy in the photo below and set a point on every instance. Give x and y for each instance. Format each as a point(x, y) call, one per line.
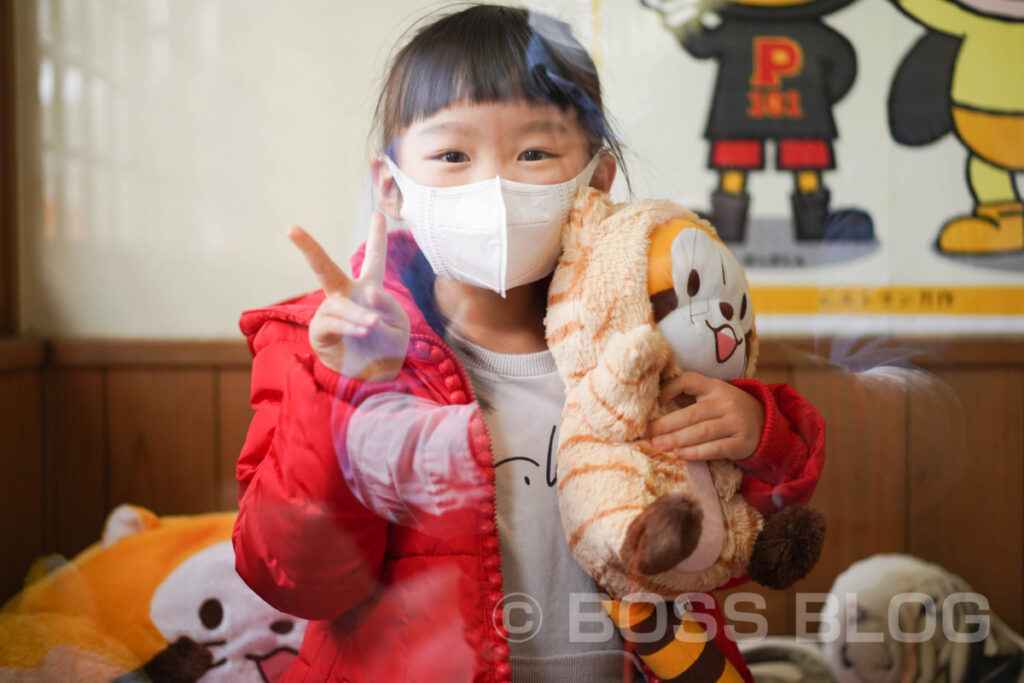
point(639, 521)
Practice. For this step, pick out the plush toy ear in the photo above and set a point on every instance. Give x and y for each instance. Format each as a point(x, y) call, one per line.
point(126, 520)
point(43, 567)
point(659, 260)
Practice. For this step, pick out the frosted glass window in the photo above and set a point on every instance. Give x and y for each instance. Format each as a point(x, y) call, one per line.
point(172, 143)
point(74, 28)
point(74, 132)
point(75, 191)
point(45, 20)
point(47, 93)
point(49, 198)
point(99, 123)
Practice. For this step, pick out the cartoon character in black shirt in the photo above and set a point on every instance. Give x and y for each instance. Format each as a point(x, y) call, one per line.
point(781, 69)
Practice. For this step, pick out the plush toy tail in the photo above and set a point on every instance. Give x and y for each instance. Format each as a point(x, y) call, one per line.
point(681, 653)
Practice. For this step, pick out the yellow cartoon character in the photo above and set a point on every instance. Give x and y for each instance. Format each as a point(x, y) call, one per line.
point(155, 599)
point(986, 98)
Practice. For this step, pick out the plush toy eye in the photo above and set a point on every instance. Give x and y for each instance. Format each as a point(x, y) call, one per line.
point(743, 307)
point(664, 302)
point(693, 283)
point(211, 613)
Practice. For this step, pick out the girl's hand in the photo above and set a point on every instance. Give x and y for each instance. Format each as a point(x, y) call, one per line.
point(359, 330)
point(722, 422)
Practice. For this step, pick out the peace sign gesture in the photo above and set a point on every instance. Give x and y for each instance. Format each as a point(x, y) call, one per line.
point(359, 330)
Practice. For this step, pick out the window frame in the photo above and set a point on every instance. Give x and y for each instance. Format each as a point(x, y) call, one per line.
point(8, 173)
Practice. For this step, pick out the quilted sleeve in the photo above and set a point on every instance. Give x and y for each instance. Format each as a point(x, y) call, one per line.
point(786, 466)
point(408, 458)
point(302, 541)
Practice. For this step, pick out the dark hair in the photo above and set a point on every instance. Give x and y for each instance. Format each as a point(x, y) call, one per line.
point(491, 53)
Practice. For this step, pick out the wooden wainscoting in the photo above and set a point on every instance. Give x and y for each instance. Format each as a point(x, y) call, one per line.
point(21, 460)
point(926, 459)
point(87, 425)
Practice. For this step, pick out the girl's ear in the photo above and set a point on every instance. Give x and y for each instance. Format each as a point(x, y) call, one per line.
point(604, 174)
point(388, 196)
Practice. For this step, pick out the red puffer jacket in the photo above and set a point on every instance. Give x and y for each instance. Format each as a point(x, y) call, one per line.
point(390, 602)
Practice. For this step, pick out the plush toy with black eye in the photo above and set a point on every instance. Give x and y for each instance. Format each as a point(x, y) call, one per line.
point(639, 520)
point(156, 599)
point(701, 300)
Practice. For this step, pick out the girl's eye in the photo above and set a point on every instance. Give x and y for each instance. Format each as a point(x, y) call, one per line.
point(454, 157)
point(533, 155)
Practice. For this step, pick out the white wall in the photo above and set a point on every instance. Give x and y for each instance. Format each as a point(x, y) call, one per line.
point(180, 140)
point(168, 144)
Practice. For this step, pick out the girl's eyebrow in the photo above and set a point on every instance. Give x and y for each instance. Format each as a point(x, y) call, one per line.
point(444, 127)
point(462, 128)
point(544, 126)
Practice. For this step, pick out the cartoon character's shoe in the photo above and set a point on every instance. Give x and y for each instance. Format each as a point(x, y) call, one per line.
point(993, 229)
point(729, 215)
point(812, 220)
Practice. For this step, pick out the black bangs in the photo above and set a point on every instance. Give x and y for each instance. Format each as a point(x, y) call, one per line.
point(492, 53)
point(477, 55)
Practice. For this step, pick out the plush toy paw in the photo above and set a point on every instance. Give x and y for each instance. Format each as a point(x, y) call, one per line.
point(636, 353)
point(788, 547)
point(663, 535)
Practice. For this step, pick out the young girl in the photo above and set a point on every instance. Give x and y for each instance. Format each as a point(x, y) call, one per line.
point(397, 485)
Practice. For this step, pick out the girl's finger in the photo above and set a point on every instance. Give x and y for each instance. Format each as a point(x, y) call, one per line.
point(331, 277)
point(688, 382)
point(327, 330)
point(682, 418)
point(343, 308)
point(349, 329)
point(700, 433)
point(332, 329)
point(710, 450)
point(376, 250)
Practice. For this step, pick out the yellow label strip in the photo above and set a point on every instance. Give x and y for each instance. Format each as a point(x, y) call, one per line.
point(932, 300)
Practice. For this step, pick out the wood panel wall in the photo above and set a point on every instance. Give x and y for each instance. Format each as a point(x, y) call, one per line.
point(86, 425)
point(8, 173)
point(926, 459)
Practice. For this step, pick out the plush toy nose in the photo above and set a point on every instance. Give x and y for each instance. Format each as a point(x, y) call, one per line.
point(726, 309)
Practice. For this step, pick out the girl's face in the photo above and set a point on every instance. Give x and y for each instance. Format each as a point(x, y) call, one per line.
point(465, 143)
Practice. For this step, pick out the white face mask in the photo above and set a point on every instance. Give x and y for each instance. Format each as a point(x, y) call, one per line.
point(496, 233)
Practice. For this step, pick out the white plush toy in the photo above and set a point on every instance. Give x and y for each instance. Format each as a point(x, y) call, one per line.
point(904, 620)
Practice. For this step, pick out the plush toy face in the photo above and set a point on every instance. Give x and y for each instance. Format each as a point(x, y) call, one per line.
point(126, 600)
point(705, 314)
point(903, 619)
point(205, 600)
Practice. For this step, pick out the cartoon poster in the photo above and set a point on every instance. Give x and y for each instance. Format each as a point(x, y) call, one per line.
point(862, 159)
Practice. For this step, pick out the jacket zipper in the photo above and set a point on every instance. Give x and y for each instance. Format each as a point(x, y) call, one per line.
point(471, 393)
